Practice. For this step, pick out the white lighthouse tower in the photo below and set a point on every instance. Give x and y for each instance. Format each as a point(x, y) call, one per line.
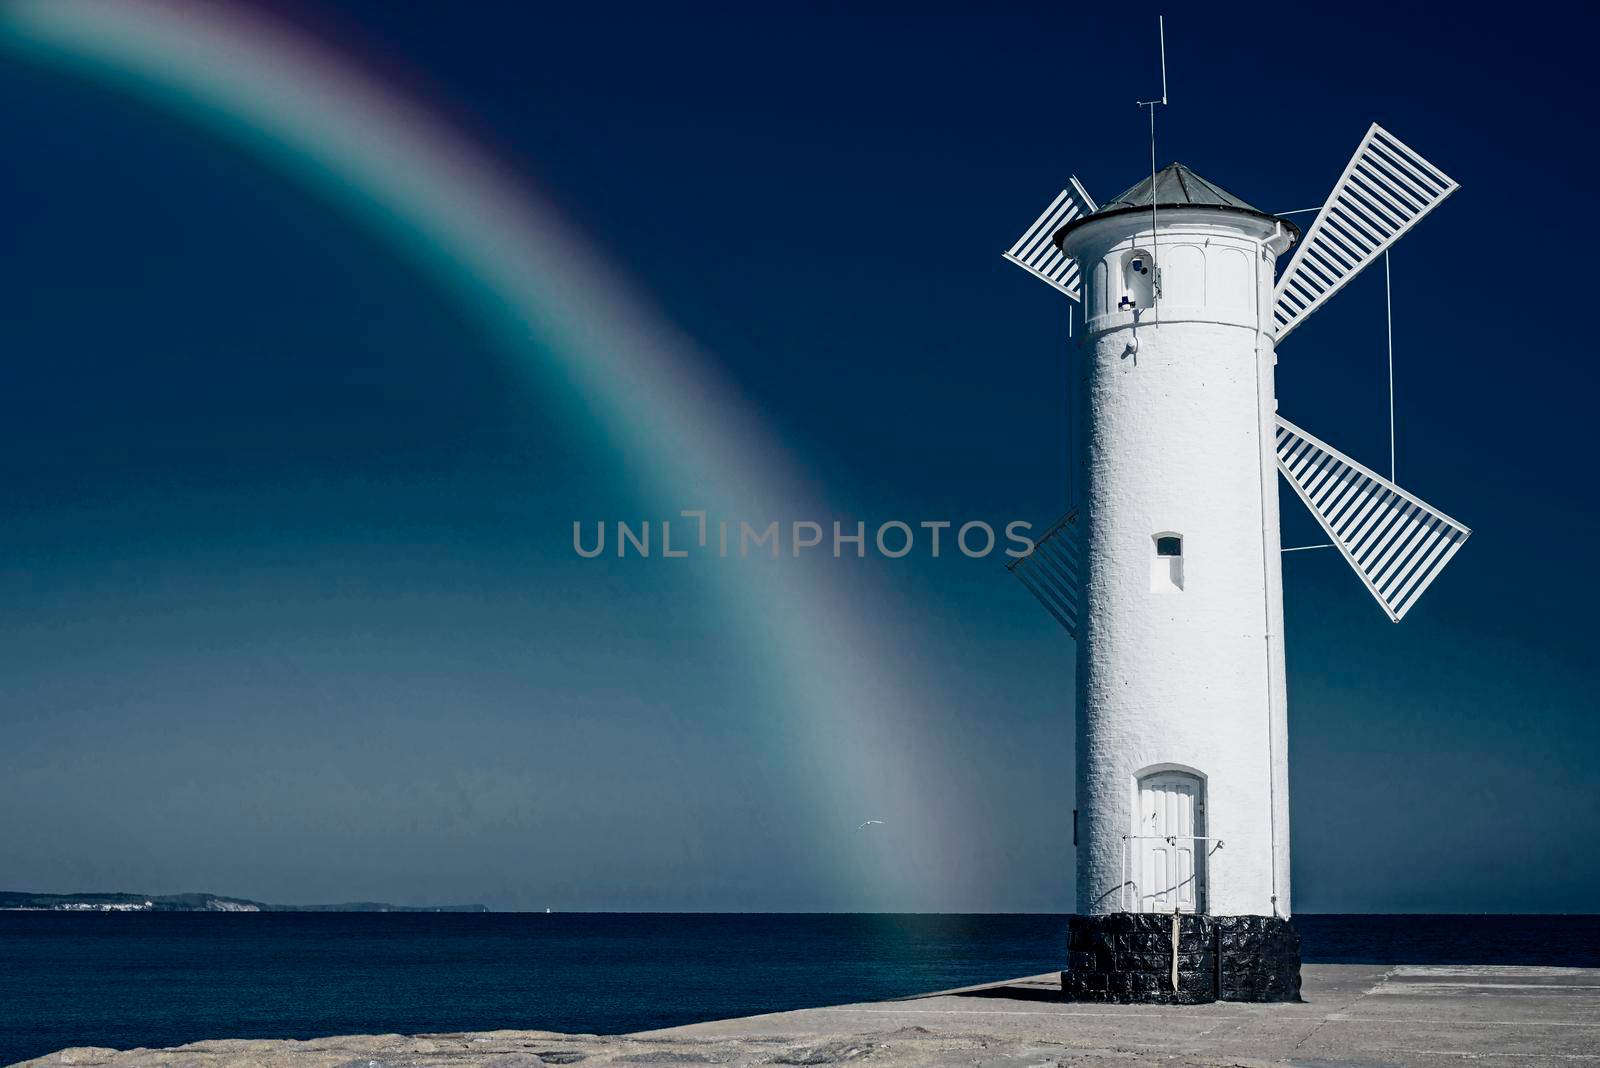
point(1167, 570)
point(1182, 788)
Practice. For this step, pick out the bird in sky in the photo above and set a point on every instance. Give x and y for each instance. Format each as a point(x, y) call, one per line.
point(869, 823)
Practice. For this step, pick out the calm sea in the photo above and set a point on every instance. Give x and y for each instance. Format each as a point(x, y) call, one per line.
point(109, 979)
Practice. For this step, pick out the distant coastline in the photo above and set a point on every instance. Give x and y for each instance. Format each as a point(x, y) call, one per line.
point(14, 901)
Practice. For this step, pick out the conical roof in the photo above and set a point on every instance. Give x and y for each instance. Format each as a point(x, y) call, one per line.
point(1174, 186)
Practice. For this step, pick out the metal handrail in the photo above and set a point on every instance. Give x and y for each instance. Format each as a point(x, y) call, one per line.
point(1170, 839)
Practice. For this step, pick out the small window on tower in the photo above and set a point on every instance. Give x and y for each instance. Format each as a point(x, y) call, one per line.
point(1138, 282)
point(1166, 569)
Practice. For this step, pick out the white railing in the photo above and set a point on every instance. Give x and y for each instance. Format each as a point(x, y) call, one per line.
point(1128, 881)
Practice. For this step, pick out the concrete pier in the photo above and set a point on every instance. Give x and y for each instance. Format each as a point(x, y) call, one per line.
point(1352, 1015)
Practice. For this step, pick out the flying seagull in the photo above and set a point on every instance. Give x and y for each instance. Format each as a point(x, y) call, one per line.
point(869, 823)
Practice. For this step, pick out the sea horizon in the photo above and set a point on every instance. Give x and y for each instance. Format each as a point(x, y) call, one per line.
point(164, 978)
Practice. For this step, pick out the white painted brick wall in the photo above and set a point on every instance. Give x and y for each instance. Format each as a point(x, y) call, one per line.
point(1179, 436)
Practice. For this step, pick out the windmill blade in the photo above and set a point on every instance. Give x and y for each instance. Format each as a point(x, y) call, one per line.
point(1383, 192)
point(1395, 542)
point(1053, 571)
point(1036, 252)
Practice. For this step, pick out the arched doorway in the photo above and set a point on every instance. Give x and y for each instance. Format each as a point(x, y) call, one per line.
point(1168, 840)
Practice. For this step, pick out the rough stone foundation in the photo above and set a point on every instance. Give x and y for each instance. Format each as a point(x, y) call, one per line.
point(1127, 957)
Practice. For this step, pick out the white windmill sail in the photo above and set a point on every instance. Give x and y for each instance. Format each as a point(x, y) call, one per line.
point(1383, 192)
point(1395, 542)
point(1053, 571)
point(1036, 252)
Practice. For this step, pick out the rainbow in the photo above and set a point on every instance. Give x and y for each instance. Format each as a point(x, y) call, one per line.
point(848, 704)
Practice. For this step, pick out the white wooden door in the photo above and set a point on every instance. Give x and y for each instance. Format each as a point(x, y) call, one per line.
point(1171, 868)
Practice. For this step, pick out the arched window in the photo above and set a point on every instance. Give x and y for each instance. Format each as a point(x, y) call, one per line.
point(1138, 281)
point(1166, 567)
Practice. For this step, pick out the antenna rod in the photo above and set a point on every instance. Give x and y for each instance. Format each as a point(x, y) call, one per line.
point(1155, 237)
point(1388, 307)
point(1161, 23)
point(1155, 232)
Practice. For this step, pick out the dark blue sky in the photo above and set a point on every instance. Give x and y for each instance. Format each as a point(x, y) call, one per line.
point(287, 589)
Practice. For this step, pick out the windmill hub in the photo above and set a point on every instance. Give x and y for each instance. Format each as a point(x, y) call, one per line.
point(1167, 570)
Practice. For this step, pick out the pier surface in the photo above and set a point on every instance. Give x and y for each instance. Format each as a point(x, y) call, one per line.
point(1353, 1014)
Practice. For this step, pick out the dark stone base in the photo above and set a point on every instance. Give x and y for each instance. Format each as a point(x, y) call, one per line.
point(1127, 957)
